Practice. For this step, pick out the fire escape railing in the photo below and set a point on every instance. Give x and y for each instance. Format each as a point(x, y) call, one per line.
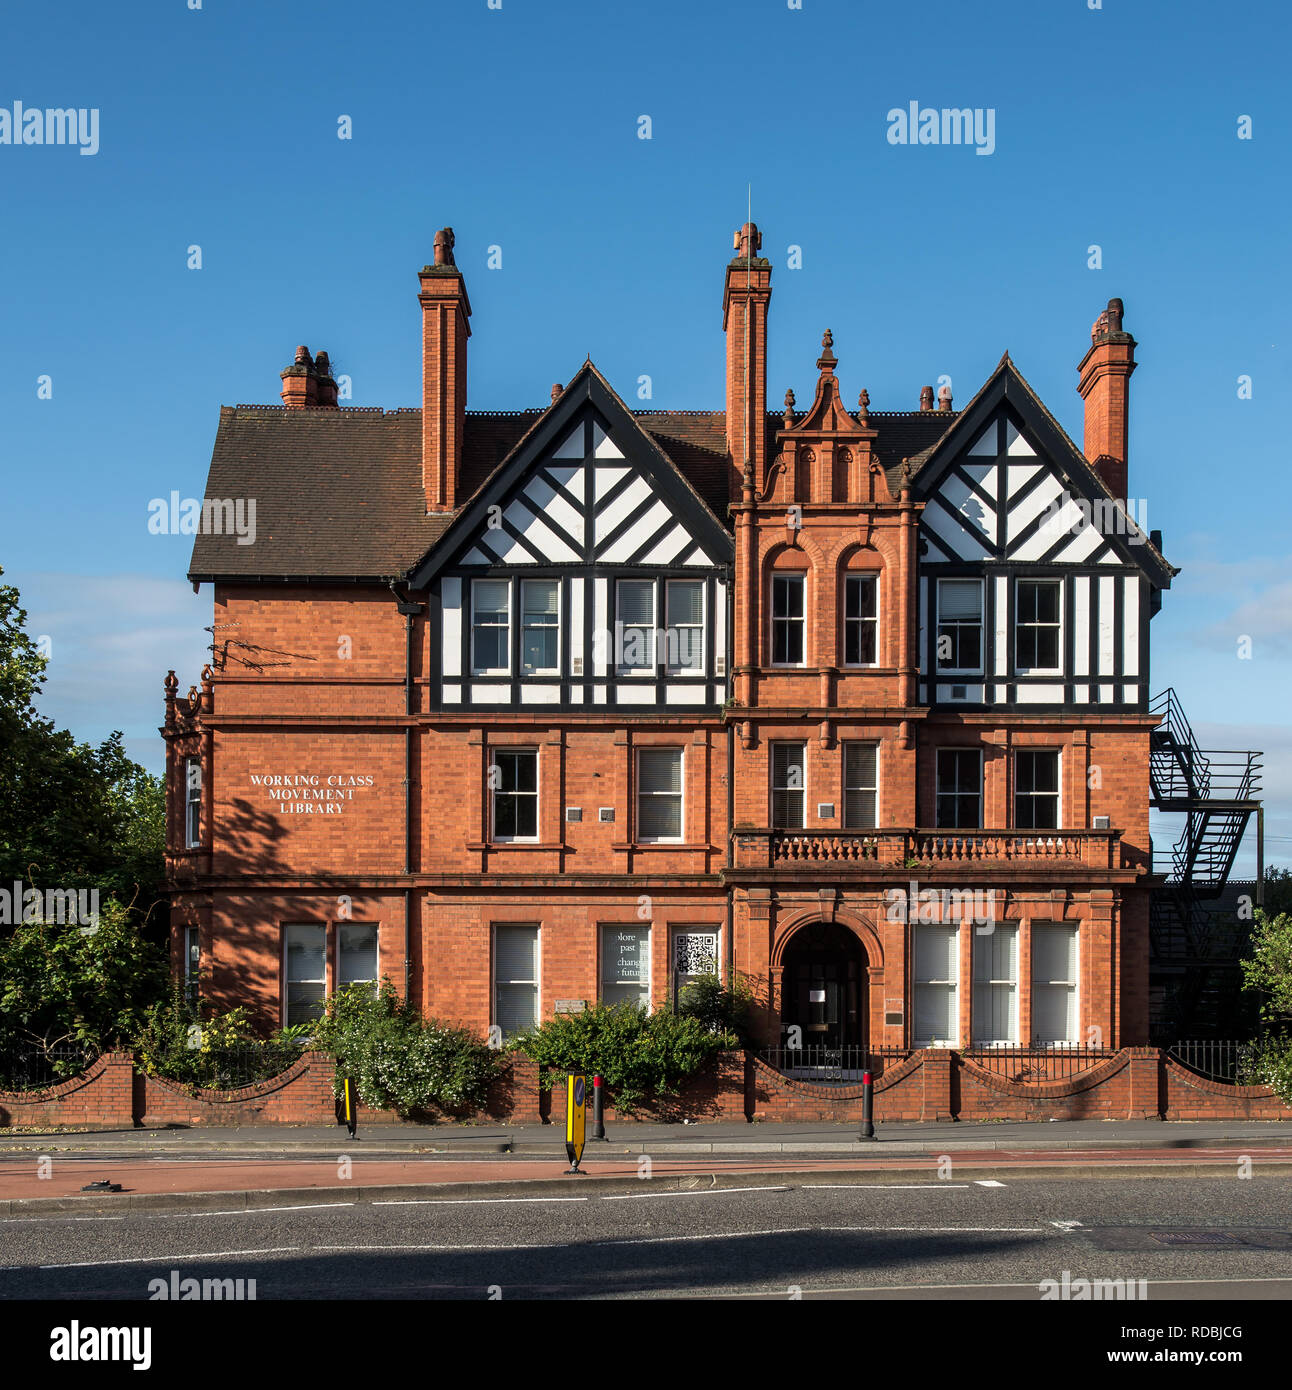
point(1218, 792)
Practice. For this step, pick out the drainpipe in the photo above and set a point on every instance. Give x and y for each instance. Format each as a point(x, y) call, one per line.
point(410, 610)
point(731, 777)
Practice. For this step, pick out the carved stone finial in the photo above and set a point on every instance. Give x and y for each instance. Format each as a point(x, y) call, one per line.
point(827, 339)
point(747, 482)
point(207, 677)
point(904, 479)
point(926, 398)
point(789, 407)
point(171, 684)
point(826, 361)
point(863, 405)
point(944, 398)
point(444, 247)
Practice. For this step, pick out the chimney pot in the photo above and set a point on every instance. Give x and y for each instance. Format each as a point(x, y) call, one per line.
point(926, 398)
point(944, 398)
point(557, 388)
point(443, 247)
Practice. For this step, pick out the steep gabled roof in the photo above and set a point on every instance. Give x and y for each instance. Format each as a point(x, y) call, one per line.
point(1008, 385)
point(638, 444)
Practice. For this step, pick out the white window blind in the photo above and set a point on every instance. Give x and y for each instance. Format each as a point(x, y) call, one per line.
point(860, 800)
point(1054, 983)
point(936, 984)
point(659, 794)
point(995, 992)
point(685, 621)
point(515, 978)
point(305, 969)
point(635, 600)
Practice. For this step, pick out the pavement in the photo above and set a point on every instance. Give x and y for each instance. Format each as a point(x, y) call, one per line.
point(277, 1166)
point(736, 1138)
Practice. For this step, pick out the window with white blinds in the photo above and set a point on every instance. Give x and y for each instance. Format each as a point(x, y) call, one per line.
point(356, 954)
point(789, 781)
point(959, 625)
point(860, 785)
point(684, 599)
point(304, 971)
point(540, 626)
point(936, 985)
point(1054, 983)
point(995, 985)
point(491, 626)
point(659, 794)
point(635, 624)
point(515, 974)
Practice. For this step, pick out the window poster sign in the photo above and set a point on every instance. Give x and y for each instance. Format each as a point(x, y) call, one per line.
point(629, 963)
point(311, 793)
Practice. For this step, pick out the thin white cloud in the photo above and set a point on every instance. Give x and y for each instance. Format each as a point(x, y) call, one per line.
point(112, 640)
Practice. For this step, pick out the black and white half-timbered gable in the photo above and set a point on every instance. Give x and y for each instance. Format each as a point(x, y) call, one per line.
point(586, 571)
point(1036, 585)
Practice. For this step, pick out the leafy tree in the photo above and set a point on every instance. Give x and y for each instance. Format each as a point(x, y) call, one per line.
point(72, 815)
point(68, 986)
point(1268, 974)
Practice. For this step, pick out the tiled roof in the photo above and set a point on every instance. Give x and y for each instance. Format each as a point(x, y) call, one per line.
point(339, 492)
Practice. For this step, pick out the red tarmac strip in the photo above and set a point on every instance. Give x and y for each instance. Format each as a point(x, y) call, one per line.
point(19, 1178)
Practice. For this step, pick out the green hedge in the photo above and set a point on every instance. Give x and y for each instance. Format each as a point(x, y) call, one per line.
point(642, 1057)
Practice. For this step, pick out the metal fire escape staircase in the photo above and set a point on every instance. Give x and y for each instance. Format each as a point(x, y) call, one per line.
point(1193, 948)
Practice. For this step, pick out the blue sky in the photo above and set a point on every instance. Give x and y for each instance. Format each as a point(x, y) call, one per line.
point(1115, 127)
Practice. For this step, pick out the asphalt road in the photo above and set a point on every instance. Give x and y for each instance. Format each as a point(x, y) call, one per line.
point(1213, 1238)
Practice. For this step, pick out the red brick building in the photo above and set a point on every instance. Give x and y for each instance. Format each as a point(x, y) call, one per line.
point(525, 709)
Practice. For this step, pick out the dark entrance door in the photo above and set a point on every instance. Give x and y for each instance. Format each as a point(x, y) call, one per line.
point(823, 986)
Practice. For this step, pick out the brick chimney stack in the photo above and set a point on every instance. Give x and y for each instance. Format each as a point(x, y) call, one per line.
point(308, 383)
point(745, 296)
point(445, 330)
point(1105, 387)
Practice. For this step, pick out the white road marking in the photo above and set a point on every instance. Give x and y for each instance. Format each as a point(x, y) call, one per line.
point(987, 1182)
point(939, 1230)
point(258, 1211)
point(1066, 1225)
point(438, 1248)
point(161, 1259)
point(697, 1192)
point(884, 1186)
point(469, 1201)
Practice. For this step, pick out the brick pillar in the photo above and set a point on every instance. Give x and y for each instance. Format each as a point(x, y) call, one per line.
point(935, 1084)
point(1144, 1091)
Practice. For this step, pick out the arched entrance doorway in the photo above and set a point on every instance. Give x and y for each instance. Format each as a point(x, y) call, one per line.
point(823, 986)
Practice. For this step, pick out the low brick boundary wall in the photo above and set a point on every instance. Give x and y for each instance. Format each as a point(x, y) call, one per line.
point(935, 1084)
point(102, 1097)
